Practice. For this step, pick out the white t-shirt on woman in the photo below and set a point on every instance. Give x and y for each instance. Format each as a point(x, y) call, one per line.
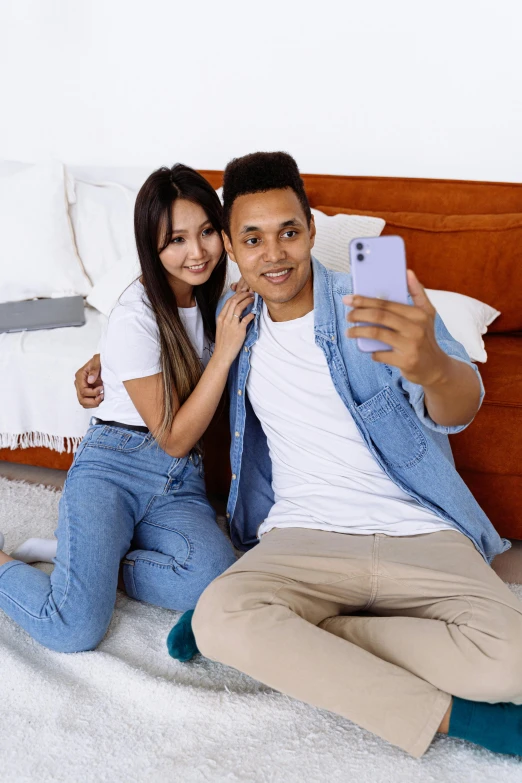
point(130, 349)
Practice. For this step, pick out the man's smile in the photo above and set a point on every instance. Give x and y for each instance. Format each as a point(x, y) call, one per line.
point(278, 275)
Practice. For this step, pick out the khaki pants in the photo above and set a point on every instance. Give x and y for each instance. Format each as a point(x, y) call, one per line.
point(442, 622)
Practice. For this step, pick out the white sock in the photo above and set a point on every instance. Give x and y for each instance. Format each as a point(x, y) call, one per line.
point(36, 550)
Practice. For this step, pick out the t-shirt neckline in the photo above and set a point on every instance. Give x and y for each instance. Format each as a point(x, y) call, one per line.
point(294, 323)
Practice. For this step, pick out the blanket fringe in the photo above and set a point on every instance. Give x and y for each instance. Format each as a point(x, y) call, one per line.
point(27, 440)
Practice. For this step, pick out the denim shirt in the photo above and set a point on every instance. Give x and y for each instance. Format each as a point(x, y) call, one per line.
point(389, 413)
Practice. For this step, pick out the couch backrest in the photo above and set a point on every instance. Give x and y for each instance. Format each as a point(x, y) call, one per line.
point(460, 236)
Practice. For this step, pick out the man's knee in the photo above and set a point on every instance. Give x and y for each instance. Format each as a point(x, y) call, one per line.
point(221, 621)
point(207, 622)
point(498, 678)
point(493, 684)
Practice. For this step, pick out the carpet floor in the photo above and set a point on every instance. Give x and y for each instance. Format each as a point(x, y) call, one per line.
point(128, 712)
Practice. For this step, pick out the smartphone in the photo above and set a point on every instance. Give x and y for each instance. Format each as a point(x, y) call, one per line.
point(378, 266)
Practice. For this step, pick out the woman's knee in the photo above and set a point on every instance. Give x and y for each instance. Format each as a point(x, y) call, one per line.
point(160, 579)
point(76, 636)
point(214, 561)
point(208, 559)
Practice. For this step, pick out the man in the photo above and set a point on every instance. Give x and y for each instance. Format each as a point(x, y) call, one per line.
point(342, 466)
point(343, 470)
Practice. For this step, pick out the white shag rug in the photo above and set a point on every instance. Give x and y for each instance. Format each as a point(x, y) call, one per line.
point(128, 712)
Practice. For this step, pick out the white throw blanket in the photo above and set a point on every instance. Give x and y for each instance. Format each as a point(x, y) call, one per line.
point(38, 404)
point(127, 712)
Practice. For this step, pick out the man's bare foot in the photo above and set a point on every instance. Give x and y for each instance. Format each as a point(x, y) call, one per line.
point(444, 726)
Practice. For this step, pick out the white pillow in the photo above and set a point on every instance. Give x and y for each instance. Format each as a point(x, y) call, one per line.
point(37, 253)
point(112, 284)
point(8, 167)
point(465, 318)
point(103, 223)
point(233, 273)
point(334, 234)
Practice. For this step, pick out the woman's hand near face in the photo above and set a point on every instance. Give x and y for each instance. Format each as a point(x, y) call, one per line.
point(193, 417)
point(241, 286)
point(231, 326)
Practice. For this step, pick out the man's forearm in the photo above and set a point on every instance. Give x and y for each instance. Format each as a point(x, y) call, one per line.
point(454, 398)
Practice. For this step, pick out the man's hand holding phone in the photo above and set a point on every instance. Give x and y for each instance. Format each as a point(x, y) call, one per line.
point(408, 330)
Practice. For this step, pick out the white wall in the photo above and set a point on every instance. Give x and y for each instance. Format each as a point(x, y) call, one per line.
point(389, 87)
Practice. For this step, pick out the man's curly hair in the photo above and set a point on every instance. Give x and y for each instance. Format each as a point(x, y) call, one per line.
point(257, 173)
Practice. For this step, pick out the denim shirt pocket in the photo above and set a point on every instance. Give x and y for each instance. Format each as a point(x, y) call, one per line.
point(393, 430)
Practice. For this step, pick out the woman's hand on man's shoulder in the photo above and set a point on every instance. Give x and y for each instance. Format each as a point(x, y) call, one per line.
point(241, 287)
point(88, 383)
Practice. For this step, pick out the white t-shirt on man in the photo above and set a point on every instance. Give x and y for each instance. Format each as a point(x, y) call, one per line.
point(130, 349)
point(323, 474)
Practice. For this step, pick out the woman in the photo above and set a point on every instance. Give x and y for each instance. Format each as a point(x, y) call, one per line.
point(136, 489)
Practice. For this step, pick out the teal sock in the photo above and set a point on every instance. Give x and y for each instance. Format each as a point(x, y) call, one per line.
point(181, 642)
point(497, 727)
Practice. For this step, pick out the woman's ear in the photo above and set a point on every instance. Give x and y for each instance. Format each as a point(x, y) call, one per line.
point(228, 246)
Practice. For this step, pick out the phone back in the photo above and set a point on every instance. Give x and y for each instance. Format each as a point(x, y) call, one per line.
point(378, 266)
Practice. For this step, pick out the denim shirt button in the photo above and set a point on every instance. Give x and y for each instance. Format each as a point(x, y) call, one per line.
point(237, 434)
point(234, 477)
point(246, 348)
point(228, 515)
point(239, 392)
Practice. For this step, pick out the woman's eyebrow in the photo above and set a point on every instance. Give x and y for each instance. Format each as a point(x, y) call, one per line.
point(185, 231)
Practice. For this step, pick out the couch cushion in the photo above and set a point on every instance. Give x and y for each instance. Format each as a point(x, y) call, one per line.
point(488, 454)
point(477, 255)
point(407, 194)
point(501, 499)
point(415, 194)
point(493, 444)
point(502, 373)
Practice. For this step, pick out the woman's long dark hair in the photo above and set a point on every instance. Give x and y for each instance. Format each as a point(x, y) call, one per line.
point(180, 364)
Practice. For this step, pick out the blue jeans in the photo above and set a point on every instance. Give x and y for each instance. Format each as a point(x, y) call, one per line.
point(124, 499)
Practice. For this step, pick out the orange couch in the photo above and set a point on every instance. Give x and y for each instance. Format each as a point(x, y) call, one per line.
point(460, 236)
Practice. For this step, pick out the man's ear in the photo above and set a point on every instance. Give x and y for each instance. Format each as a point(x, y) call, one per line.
point(313, 231)
point(228, 246)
